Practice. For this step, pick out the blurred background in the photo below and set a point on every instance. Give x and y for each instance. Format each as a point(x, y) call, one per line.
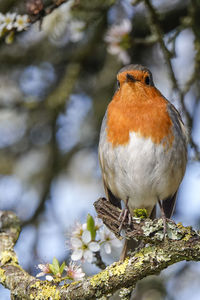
point(56, 80)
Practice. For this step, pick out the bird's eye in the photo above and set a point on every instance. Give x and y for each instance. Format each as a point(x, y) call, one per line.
point(118, 84)
point(147, 80)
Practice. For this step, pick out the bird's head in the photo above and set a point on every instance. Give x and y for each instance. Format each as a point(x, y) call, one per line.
point(134, 73)
point(134, 80)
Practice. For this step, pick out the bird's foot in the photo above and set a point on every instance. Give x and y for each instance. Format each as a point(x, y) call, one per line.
point(164, 219)
point(123, 215)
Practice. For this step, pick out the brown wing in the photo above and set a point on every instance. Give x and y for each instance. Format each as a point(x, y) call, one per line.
point(178, 124)
point(169, 205)
point(114, 200)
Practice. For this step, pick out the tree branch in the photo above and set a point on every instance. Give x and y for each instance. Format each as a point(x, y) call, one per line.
point(183, 243)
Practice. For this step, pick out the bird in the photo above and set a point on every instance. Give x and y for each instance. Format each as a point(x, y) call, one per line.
point(142, 147)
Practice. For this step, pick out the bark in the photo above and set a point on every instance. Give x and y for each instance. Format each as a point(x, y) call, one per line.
point(182, 243)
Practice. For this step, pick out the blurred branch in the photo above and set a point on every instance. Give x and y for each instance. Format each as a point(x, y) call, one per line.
point(57, 99)
point(91, 12)
point(150, 259)
point(55, 104)
point(82, 8)
point(157, 31)
point(85, 10)
point(194, 21)
point(175, 13)
point(37, 10)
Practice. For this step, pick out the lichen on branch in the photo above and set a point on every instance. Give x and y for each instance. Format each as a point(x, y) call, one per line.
point(148, 260)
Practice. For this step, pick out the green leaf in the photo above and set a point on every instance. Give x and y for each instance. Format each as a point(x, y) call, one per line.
point(10, 37)
point(91, 226)
point(3, 32)
point(51, 267)
point(62, 267)
point(55, 267)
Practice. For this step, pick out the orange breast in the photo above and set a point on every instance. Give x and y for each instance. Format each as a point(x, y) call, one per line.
point(141, 110)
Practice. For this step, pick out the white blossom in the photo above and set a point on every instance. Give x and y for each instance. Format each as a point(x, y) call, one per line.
point(115, 37)
point(117, 32)
point(21, 22)
point(9, 20)
point(45, 270)
point(74, 272)
point(98, 223)
point(49, 277)
point(78, 229)
point(108, 240)
point(84, 247)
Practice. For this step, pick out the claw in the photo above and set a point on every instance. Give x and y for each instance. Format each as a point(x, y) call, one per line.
point(123, 215)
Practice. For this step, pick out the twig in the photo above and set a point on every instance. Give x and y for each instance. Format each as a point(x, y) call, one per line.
point(147, 230)
point(46, 10)
point(99, 262)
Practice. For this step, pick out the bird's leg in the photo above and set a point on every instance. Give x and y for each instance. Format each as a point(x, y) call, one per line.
point(163, 217)
point(124, 213)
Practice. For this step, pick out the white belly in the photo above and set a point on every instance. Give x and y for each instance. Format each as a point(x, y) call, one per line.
point(141, 171)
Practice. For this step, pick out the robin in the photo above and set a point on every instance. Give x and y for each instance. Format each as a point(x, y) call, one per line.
point(142, 147)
